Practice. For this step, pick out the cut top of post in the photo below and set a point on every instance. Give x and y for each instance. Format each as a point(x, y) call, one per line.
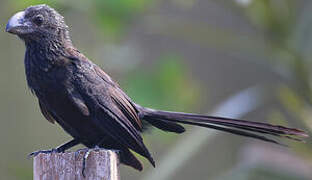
point(100, 164)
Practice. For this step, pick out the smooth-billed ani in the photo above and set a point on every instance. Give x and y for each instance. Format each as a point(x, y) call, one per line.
point(90, 106)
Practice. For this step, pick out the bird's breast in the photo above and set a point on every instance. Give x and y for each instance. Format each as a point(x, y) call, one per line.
point(46, 78)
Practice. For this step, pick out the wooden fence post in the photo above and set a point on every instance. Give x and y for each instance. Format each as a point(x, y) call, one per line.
point(100, 165)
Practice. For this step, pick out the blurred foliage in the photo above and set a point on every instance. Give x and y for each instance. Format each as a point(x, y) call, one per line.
point(114, 16)
point(272, 17)
point(263, 173)
point(278, 20)
point(166, 86)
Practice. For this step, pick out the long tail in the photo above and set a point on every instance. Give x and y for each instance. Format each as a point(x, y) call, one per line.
point(167, 121)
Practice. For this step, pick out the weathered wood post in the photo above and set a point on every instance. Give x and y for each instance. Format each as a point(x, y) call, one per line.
point(100, 165)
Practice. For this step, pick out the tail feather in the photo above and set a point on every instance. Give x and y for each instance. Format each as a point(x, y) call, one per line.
point(127, 158)
point(166, 126)
point(234, 126)
point(233, 131)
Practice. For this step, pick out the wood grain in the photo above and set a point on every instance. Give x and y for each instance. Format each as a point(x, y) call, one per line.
point(100, 165)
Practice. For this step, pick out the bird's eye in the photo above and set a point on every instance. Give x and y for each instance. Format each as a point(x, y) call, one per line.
point(38, 20)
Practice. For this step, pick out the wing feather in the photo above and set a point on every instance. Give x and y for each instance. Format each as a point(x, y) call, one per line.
point(46, 113)
point(121, 100)
point(112, 109)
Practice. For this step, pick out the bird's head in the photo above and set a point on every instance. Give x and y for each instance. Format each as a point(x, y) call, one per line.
point(37, 23)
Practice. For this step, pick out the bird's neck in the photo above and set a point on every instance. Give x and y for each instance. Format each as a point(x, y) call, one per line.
point(46, 47)
point(45, 52)
point(42, 57)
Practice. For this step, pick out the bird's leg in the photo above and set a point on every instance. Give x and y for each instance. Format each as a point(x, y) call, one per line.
point(59, 149)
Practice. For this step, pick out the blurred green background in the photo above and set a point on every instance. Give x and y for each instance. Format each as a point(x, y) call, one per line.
point(247, 59)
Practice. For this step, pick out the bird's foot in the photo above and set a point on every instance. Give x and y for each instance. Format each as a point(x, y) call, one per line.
point(83, 150)
point(54, 150)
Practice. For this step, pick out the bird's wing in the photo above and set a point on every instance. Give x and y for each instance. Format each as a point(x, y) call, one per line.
point(110, 108)
point(46, 113)
point(120, 129)
point(79, 103)
point(121, 100)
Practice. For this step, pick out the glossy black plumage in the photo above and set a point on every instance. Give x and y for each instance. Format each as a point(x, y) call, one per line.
point(90, 106)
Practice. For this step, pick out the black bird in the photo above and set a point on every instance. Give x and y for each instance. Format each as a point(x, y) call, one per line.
point(90, 106)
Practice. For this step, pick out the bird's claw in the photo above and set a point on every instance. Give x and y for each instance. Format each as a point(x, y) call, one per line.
point(80, 150)
point(35, 153)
